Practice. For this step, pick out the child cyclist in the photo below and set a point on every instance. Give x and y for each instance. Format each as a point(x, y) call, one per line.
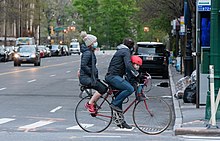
point(136, 62)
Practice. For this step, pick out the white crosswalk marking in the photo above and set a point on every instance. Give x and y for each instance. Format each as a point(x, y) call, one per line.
point(5, 120)
point(2, 89)
point(79, 128)
point(124, 129)
point(35, 125)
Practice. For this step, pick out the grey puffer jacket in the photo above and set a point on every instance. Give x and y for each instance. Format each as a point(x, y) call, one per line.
point(88, 70)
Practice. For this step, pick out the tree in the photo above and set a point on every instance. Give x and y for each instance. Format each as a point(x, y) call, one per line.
point(112, 20)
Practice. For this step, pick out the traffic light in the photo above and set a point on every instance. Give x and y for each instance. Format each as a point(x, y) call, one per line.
point(51, 30)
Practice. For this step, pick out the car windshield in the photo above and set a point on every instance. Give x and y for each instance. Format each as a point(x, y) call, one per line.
point(1, 49)
point(26, 49)
point(150, 49)
point(41, 48)
point(54, 47)
point(74, 46)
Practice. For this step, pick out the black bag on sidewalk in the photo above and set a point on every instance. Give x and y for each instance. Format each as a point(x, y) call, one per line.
point(189, 95)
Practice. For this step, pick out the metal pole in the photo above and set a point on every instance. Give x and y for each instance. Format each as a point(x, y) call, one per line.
point(198, 62)
point(214, 47)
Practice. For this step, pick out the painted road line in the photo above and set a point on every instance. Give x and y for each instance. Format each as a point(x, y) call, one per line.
point(2, 89)
point(101, 136)
point(5, 120)
point(38, 68)
point(35, 125)
point(68, 71)
point(79, 128)
point(124, 129)
point(55, 109)
point(52, 75)
point(32, 81)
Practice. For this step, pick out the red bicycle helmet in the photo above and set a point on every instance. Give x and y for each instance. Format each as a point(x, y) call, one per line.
point(136, 60)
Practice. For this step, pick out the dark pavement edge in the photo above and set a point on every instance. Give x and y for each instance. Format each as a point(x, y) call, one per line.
point(178, 129)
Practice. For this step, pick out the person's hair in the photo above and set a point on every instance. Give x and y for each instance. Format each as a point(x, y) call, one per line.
point(128, 42)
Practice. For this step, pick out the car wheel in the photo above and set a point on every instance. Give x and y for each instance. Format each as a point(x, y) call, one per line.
point(15, 64)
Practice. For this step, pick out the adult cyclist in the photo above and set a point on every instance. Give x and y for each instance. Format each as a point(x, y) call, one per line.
point(119, 64)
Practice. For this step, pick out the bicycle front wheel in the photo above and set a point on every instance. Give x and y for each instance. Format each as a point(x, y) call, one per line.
point(152, 116)
point(97, 122)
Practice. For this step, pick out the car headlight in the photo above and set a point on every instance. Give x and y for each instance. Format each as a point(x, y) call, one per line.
point(16, 55)
point(33, 55)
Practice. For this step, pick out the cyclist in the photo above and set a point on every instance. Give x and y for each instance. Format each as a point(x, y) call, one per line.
point(88, 74)
point(137, 62)
point(119, 64)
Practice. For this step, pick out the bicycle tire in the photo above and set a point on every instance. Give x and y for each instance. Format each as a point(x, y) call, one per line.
point(152, 116)
point(93, 123)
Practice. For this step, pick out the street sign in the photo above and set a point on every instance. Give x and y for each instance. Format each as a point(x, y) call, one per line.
point(182, 26)
point(204, 5)
point(57, 29)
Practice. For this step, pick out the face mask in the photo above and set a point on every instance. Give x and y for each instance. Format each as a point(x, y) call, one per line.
point(95, 45)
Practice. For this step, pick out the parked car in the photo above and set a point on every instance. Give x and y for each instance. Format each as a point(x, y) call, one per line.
point(65, 50)
point(10, 52)
point(3, 54)
point(42, 50)
point(27, 54)
point(155, 58)
point(48, 54)
point(55, 50)
point(74, 48)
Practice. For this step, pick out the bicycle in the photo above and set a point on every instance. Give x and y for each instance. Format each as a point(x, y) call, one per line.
point(146, 116)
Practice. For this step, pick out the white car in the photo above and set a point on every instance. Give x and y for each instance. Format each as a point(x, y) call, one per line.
point(74, 48)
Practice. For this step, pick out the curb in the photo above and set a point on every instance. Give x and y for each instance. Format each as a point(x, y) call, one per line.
point(176, 105)
point(197, 131)
point(177, 128)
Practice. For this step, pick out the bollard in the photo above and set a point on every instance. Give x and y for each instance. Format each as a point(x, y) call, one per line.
point(212, 96)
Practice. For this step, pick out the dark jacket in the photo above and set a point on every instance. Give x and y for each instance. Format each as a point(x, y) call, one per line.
point(121, 62)
point(88, 70)
point(135, 80)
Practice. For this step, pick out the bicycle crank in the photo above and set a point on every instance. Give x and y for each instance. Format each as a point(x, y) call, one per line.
point(118, 117)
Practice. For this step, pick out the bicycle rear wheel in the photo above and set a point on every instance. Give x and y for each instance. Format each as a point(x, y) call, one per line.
point(152, 116)
point(97, 122)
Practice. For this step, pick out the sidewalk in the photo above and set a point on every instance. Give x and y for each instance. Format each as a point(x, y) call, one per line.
point(189, 120)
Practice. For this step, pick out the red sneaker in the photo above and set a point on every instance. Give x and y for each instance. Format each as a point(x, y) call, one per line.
point(90, 107)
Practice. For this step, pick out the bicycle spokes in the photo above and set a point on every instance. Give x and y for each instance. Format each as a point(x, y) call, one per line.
point(98, 121)
point(152, 116)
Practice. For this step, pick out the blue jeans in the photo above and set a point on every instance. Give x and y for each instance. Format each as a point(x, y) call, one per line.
point(123, 86)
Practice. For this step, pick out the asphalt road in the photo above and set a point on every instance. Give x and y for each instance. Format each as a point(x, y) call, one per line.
point(37, 103)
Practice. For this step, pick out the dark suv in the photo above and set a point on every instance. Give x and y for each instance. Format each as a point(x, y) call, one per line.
point(155, 58)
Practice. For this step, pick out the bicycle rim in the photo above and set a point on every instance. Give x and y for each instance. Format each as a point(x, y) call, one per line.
point(152, 116)
point(93, 123)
